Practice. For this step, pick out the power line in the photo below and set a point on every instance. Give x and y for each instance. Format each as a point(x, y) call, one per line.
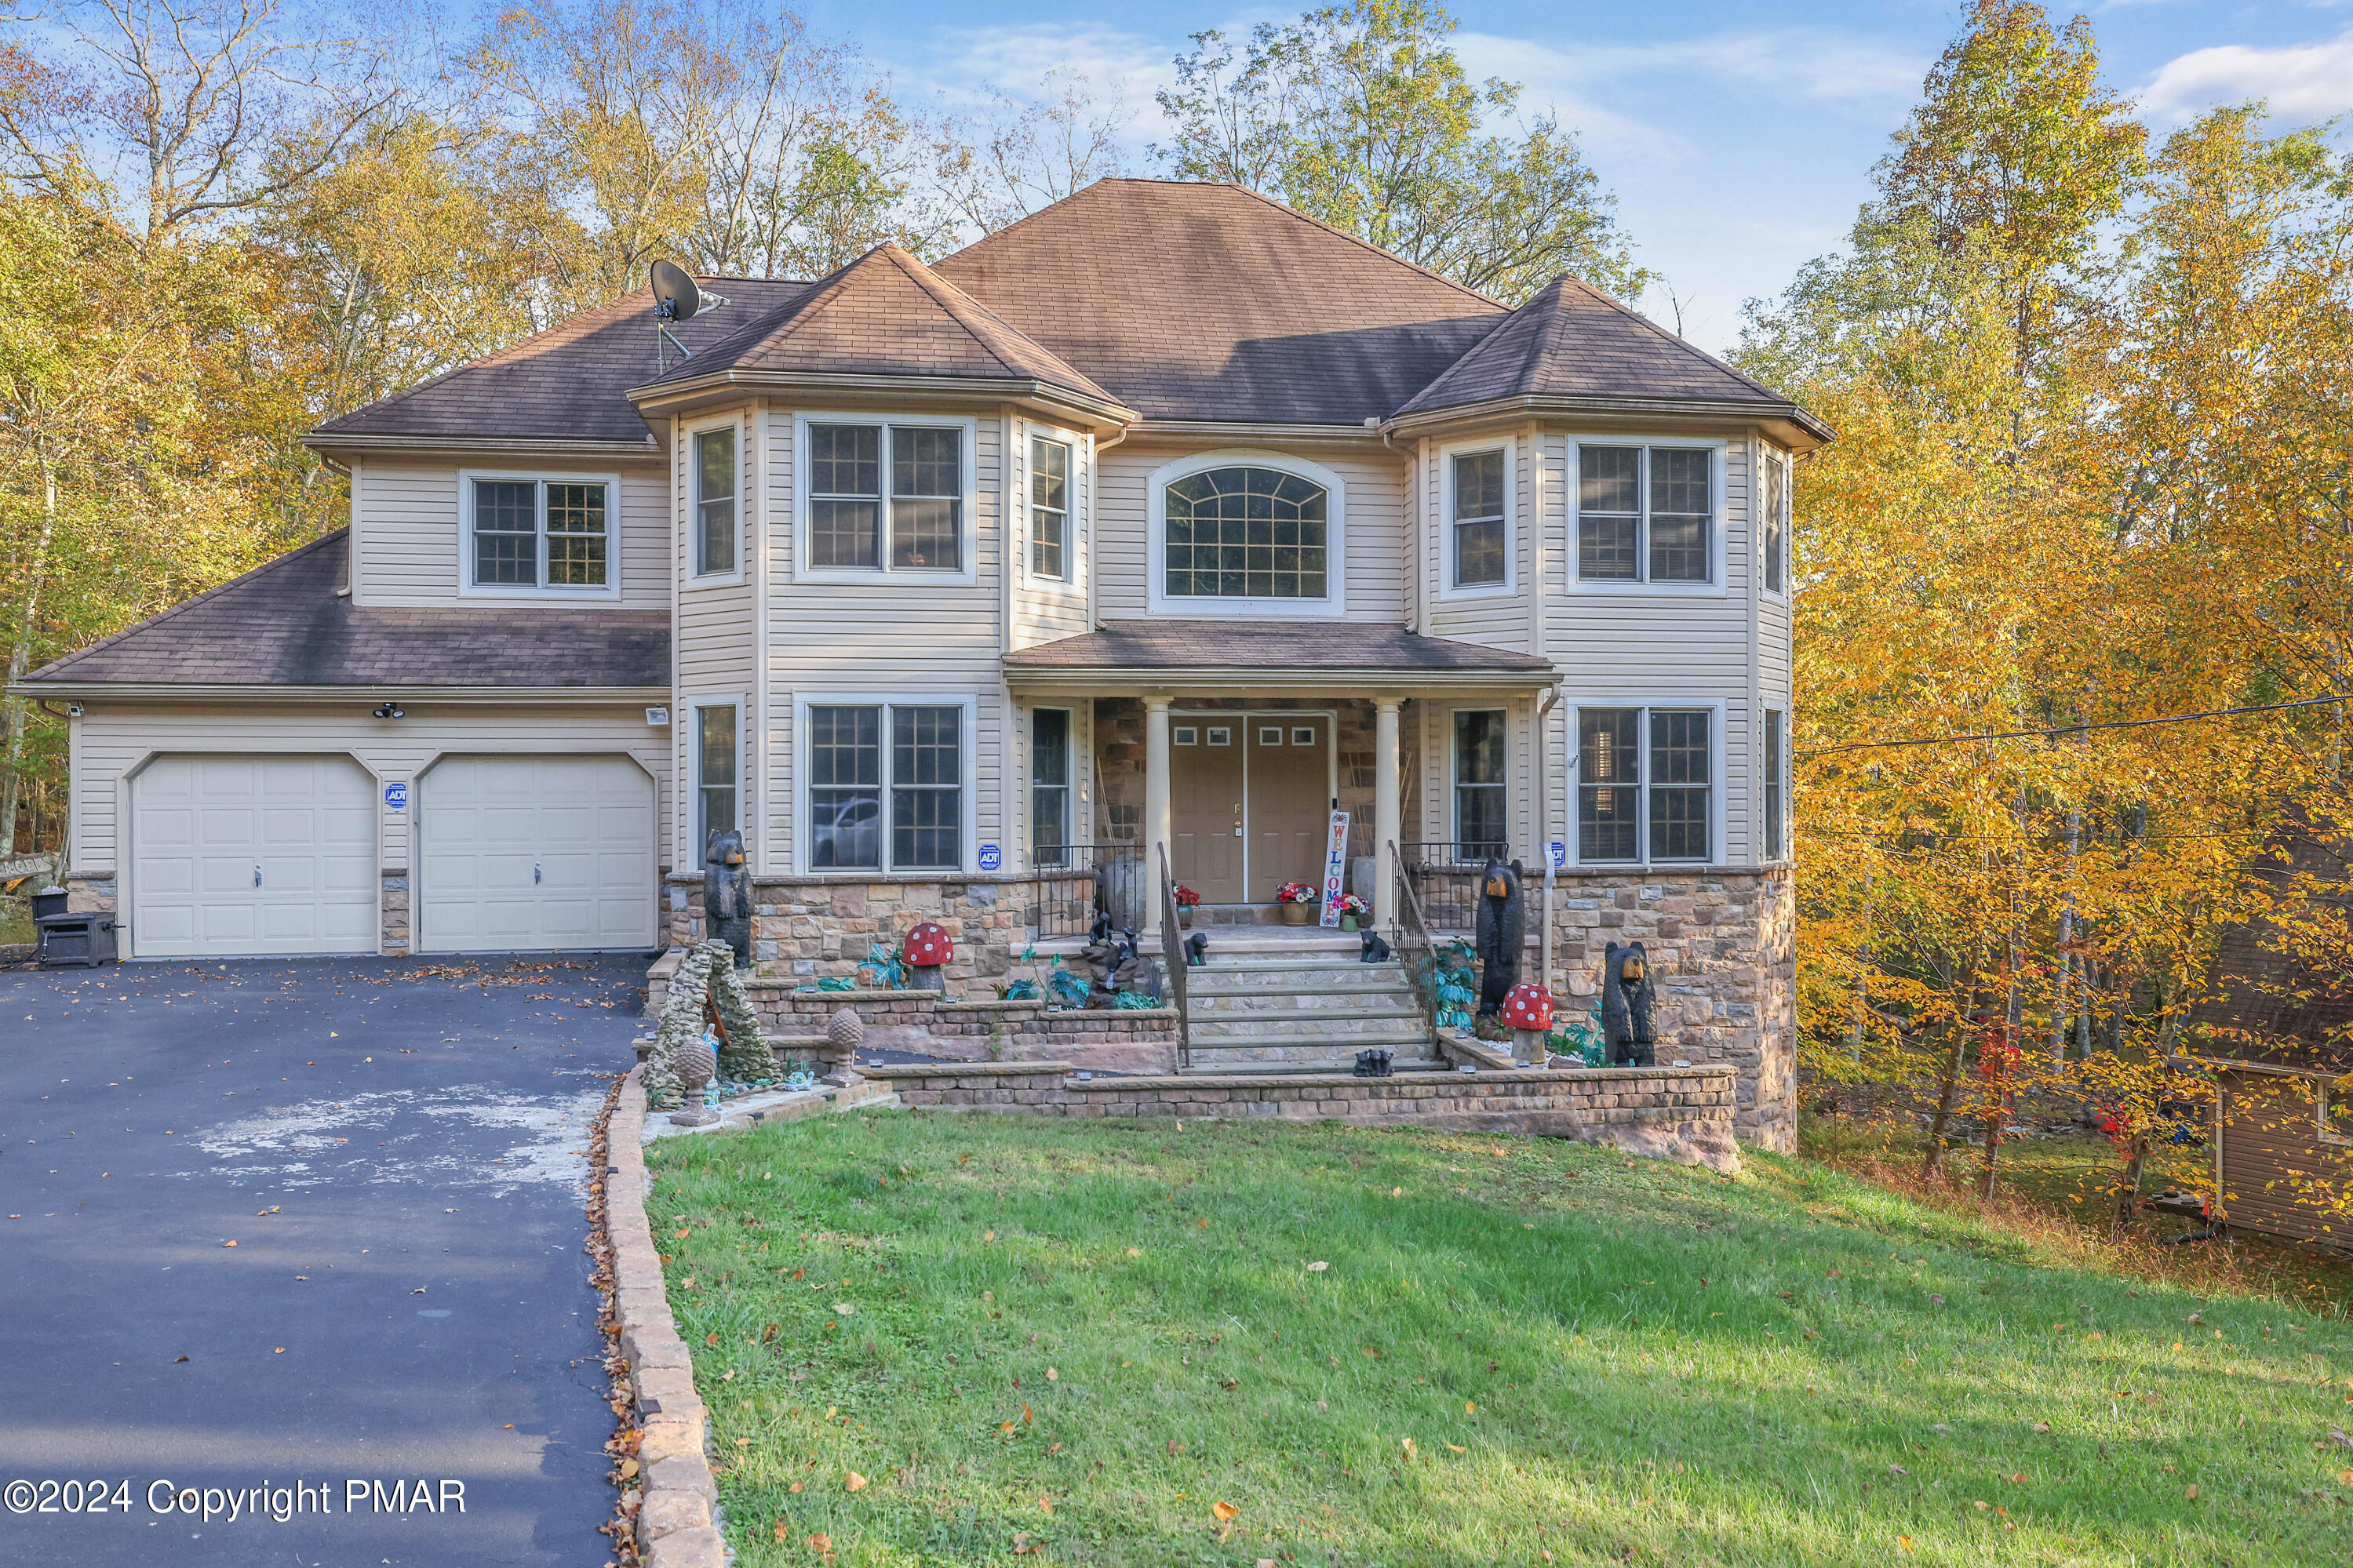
point(2072, 729)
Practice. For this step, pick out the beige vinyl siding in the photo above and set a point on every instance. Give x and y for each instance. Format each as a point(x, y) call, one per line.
point(2270, 1152)
point(894, 634)
point(715, 654)
point(1499, 620)
point(1377, 555)
point(1045, 609)
point(408, 546)
point(111, 740)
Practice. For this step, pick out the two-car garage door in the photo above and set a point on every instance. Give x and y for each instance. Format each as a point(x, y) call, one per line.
point(277, 855)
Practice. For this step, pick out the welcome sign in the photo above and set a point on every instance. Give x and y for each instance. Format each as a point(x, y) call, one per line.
point(1335, 867)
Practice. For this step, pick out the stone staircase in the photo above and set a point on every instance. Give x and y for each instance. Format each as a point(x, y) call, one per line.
point(1276, 1001)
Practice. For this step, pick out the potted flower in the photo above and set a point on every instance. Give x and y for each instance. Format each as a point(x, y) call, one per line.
point(1353, 909)
point(1298, 900)
point(1187, 900)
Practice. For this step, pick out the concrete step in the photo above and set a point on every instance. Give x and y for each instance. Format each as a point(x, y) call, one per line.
point(1259, 1019)
point(1326, 1040)
point(1226, 983)
point(1310, 1062)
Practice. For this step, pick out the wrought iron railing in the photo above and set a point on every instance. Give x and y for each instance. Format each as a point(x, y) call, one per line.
point(1445, 876)
point(1172, 958)
point(1075, 880)
point(1416, 950)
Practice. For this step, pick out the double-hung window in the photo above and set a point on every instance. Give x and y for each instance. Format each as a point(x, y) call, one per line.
point(1479, 829)
point(1049, 508)
point(1776, 531)
point(1645, 781)
point(2335, 1108)
point(1050, 787)
point(1645, 514)
point(527, 535)
point(886, 497)
point(717, 759)
point(1481, 532)
point(1777, 809)
point(715, 530)
point(886, 787)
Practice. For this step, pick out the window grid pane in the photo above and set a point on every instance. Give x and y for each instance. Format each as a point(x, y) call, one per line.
point(1608, 780)
point(845, 495)
point(714, 499)
point(926, 499)
point(714, 770)
point(506, 534)
point(1608, 513)
point(926, 793)
point(1050, 787)
point(1049, 507)
point(1243, 533)
point(1777, 515)
point(1679, 781)
point(575, 536)
point(1681, 503)
point(845, 753)
point(1775, 820)
point(1478, 825)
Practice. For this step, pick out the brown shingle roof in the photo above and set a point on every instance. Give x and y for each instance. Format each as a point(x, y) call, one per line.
point(283, 623)
point(1208, 302)
point(1574, 340)
point(885, 314)
point(1271, 645)
point(571, 381)
point(2267, 1002)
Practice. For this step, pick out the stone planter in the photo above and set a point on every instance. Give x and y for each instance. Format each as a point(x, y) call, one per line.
point(1184, 917)
point(1296, 914)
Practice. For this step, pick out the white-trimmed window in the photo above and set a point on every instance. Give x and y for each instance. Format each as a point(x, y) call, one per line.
point(887, 783)
point(885, 496)
point(2335, 1108)
point(1646, 784)
point(1477, 500)
point(1246, 533)
point(1049, 788)
point(717, 479)
point(718, 771)
point(1776, 785)
point(530, 535)
point(1050, 509)
point(1480, 831)
point(1774, 534)
point(1646, 513)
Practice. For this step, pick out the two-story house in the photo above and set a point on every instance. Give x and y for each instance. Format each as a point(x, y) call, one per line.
point(1165, 517)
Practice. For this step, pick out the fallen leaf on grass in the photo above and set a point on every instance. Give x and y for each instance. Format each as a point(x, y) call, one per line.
point(1317, 1268)
point(1225, 1511)
point(1046, 1504)
point(1470, 1407)
point(1056, 1448)
point(1897, 1470)
point(794, 1487)
point(2040, 1427)
point(708, 1338)
point(1458, 1447)
point(2191, 1495)
point(1980, 1507)
point(2018, 1479)
point(1051, 1375)
point(854, 1482)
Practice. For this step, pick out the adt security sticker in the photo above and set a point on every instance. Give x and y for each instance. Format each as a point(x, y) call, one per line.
point(396, 795)
point(1559, 852)
point(992, 859)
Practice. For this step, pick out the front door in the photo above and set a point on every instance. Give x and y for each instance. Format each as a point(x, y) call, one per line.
point(1288, 805)
point(1205, 805)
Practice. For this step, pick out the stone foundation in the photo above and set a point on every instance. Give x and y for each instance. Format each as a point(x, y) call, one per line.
point(394, 917)
point(1684, 1114)
point(808, 928)
point(1722, 951)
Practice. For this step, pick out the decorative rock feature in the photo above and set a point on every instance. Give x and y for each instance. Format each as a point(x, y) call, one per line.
point(694, 1062)
point(706, 976)
point(846, 1030)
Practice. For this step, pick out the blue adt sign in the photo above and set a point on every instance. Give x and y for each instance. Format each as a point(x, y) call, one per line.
point(992, 859)
point(1560, 855)
point(396, 795)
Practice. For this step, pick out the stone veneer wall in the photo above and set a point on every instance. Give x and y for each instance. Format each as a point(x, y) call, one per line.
point(1684, 1114)
point(809, 928)
point(1722, 951)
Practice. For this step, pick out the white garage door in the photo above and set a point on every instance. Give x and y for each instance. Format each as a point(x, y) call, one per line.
point(252, 855)
point(533, 853)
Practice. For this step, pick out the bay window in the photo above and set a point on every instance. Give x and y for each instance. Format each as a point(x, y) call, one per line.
point(1049, 508)
point(1645, 514)
point(884, 497)
point(1480, 528)
point(714, 501)
point(1645, 784)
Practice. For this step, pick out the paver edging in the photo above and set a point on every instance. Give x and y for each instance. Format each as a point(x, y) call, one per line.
point(677, 1518)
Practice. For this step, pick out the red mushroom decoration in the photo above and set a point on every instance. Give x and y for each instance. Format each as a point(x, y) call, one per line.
point(926, 950)
point(1528, 1006)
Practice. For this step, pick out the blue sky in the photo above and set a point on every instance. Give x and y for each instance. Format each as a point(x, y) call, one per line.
point(1738, 138)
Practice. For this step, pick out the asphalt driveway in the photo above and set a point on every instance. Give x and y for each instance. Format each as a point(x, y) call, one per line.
point(308, 1225)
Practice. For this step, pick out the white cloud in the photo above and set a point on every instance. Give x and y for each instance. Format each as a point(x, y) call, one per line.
point(965, 63)
point(2301, 82)
point(1812, 64)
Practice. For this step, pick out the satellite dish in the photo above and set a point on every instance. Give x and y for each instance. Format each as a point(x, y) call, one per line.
point(677, 297)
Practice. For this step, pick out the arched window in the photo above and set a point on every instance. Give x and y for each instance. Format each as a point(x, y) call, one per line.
point(1246, 532)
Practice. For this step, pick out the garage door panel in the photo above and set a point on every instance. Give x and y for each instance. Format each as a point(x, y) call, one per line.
point(201, 825)
point(585, 825)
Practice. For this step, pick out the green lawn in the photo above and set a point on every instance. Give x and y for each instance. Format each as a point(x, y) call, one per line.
point(1090, 1335)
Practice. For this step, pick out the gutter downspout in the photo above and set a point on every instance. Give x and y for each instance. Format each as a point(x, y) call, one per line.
point(1544, 784)
point(1420, 593)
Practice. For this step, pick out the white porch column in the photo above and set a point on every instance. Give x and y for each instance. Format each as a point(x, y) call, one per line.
point(1156, 806)
point(1387, 827)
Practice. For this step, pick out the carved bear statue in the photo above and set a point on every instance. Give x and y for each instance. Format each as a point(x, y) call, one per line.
point(727, 894)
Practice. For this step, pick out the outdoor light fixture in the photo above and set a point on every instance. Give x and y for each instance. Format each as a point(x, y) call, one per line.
point(390, 710)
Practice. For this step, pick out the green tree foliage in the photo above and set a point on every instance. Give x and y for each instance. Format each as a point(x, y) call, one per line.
point(1361, 115)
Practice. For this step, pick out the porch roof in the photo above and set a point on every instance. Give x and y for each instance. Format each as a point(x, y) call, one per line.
point(1269, 654)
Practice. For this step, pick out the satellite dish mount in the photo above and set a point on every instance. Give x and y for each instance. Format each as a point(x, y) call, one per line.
point(677, 297)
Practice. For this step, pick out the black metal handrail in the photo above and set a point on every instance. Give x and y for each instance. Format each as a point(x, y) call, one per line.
point(1446, 877)
point(1068, 880)
point(1172, 958)
point(1414, 947)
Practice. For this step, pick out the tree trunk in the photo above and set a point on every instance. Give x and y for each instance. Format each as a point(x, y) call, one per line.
point(2128, 1197)
point(11, 778)
point(2063, 965)
point(1944, 1101)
